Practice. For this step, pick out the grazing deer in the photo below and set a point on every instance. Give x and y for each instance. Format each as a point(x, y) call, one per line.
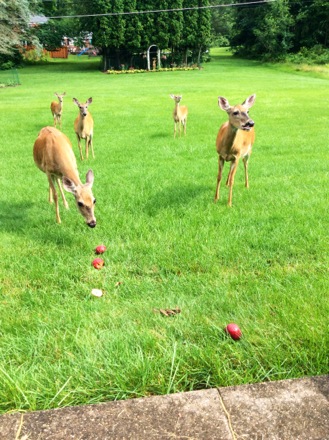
point(234, 140)
point(179, 114)
point(57, 109)
point(84, 126)
point(54, 156)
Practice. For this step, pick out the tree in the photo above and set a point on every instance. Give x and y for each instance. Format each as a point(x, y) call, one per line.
point(197, 29)
point(262, 31)
point(311, 25)
point(124, 34)
point(14, 23)
point(50, 34)
point(221, 24)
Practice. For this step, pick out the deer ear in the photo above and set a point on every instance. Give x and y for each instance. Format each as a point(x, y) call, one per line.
point(223, 103)
point(90, 100)
point(249, 102)
point(172, 96)
point(69, 185)
point(90, 178)
point(75, 101)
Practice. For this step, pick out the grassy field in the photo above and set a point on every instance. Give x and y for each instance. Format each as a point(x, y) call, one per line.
point(262, 263)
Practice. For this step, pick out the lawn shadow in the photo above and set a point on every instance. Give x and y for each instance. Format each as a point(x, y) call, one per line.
point(174, 197)
point(15, 218)
point(160, 135)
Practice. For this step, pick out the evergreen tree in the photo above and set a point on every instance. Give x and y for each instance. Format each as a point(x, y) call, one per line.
point(203, 36)
point(175, 29)
point(197, 29)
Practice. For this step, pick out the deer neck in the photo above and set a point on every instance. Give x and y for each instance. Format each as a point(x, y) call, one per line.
point(177, 109)
point(231, 133)
point(73, 174)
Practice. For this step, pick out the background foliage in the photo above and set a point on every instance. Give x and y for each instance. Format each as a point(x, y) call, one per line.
point(272, 31)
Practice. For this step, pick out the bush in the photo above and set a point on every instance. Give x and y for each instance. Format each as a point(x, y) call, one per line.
point(34, 56)
point(9, 61)
point(314, 55)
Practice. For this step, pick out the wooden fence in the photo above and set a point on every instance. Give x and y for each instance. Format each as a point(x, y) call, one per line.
point(61, 52)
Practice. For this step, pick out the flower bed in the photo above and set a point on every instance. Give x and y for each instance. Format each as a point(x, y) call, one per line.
point(165, 69)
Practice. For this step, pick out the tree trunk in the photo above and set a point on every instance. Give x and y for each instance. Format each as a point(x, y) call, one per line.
point(106, 58)
point(199, 56)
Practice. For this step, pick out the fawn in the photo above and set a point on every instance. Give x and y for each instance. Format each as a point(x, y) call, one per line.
point(84, 126)
point(57, 109)
point(179, 114)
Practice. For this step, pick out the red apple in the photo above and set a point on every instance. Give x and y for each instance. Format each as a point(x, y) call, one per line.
point(98, 263)
point(100, 249)
point(234, 331)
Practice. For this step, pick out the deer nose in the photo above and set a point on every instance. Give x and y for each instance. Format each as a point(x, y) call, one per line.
point(92, 224)
point(250, 123)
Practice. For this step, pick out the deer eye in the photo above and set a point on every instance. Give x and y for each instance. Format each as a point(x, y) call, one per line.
point(94, 201)
point(80, 204)
point(235, 113)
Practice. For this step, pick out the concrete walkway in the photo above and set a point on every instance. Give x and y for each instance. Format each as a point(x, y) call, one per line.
point(284, 410)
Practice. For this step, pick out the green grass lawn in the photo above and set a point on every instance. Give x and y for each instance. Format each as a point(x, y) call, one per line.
point(262, 263)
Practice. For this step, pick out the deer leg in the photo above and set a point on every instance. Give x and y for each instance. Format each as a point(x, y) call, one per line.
point(219, 177)
point(53, 189)
point(185, 123)
point(174, 130)
point(230, 180)
point(87, 147)
point(91, 146)
point(50, 197)
point(79, 145)
point(245, 163)
point(59, 183)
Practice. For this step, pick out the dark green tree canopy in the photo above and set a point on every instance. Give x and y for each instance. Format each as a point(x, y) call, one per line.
point(182, 29)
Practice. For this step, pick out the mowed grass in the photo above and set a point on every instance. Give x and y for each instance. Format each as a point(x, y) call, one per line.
point(262, 263)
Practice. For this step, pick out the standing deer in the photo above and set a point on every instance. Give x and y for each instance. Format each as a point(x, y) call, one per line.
point(53, 154)
point(84, 126)
point(234, 140)
point(57, 109)
point(179, 114)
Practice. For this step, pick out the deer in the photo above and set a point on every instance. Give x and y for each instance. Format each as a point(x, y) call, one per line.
point(53, 155)
point(179, 114)
point(234, 140)
point(57, 109)
point(84, 126)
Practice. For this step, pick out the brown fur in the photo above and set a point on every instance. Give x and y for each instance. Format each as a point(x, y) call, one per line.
point(53, 154)
point(234, 141)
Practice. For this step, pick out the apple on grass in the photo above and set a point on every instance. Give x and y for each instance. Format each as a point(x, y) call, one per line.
point(100, 249)
point(234, 331)
point(98, 263)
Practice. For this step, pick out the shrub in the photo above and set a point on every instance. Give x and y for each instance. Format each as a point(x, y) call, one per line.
point(315, 55)
point(34, 56)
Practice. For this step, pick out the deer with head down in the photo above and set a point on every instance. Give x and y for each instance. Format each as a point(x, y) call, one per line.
point(84, 126)
point(234, 141)
point(53, 154)
point(57, 109)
